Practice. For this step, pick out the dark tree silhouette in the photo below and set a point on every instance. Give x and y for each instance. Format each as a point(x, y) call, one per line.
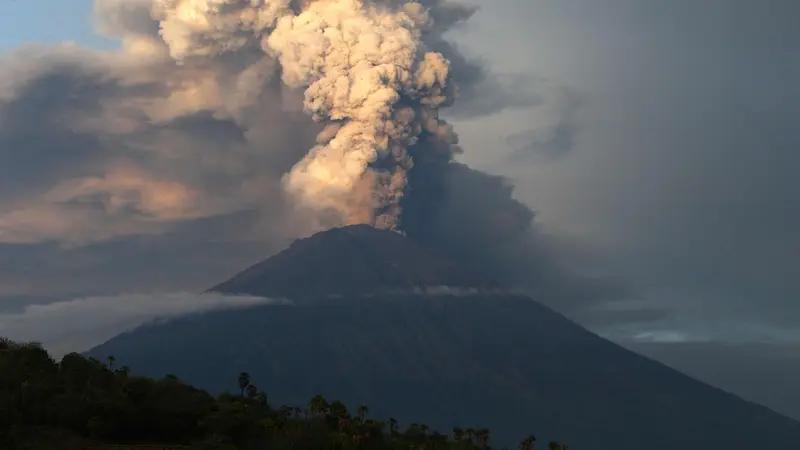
point(528, 443)
point(81, 403)
point(244, 381)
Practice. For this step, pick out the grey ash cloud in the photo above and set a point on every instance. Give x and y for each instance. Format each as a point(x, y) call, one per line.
point(123, 170)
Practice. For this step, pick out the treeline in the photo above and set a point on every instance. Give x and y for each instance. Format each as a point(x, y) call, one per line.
point(82, 402)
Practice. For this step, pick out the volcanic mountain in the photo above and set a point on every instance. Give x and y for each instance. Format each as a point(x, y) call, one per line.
point(373, 324)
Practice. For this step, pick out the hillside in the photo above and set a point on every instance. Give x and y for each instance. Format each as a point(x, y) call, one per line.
point(82, 403)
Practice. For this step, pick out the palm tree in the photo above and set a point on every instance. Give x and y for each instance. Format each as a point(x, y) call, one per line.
point(482, 436)
point(262, 399)
point(470, 434)
point(111, 361)
point(252, 391)
point(244, 381)
point(393, 426)
point(338, 410)
point(361, 412)
point(528, 443)
point(318, 405)
point(424, 429)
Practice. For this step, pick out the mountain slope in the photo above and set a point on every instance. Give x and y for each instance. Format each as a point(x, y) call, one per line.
point(495, 360)
point(503, 362)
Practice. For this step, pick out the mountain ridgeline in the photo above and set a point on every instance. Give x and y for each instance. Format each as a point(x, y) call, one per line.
point(471, 355)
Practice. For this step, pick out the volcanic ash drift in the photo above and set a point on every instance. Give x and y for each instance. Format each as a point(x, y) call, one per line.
point(367, 75)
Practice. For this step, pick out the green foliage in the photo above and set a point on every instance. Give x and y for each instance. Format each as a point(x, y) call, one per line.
point(82, 402)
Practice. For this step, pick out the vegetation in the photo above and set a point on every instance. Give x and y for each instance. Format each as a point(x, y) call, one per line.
point(85, 403)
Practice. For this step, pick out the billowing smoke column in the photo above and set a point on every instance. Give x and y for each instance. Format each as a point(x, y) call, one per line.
point(367, 75)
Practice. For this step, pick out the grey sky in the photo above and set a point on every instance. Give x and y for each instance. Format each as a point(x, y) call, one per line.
point(681, 169)
point(657, 140)
point(681, 173)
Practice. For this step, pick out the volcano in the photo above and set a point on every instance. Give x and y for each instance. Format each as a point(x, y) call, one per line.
point(380, 320)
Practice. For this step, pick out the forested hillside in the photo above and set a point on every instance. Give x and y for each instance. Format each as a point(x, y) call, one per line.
point(81, 403)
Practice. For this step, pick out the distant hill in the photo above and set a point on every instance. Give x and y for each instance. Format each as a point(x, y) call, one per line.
point(472, 357)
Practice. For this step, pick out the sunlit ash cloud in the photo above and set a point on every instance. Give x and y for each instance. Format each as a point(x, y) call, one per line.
point(261, 122)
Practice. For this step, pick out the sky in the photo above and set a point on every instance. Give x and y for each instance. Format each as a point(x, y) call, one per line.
point(659, 151)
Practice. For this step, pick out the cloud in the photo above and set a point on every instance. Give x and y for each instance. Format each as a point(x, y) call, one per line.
point(675, 329)
point(483, 91)
point(100, 208)
point(104, 149)
point(173, 261)
point(556, 131)
point(125, 170)
point(132, 168)
point(79, 324)
point(682, 169)
point(105, 145)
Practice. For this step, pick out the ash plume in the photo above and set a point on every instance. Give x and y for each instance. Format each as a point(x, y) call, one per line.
point(368, 77)
point(259, 122)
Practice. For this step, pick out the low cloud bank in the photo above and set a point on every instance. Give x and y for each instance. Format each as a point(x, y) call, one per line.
point(681, 330)
point(80, 324)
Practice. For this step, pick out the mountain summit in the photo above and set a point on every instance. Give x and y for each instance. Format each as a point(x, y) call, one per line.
point(353, 260)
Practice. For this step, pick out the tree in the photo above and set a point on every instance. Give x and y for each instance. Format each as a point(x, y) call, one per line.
point(338, 410)
point(244, 381)
point(527, 443)
point(361, 412)
point(482, 437)
point(318, 405)
point(262, 399)
point(252, 391)
point(470, 434)
point(82, 399)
